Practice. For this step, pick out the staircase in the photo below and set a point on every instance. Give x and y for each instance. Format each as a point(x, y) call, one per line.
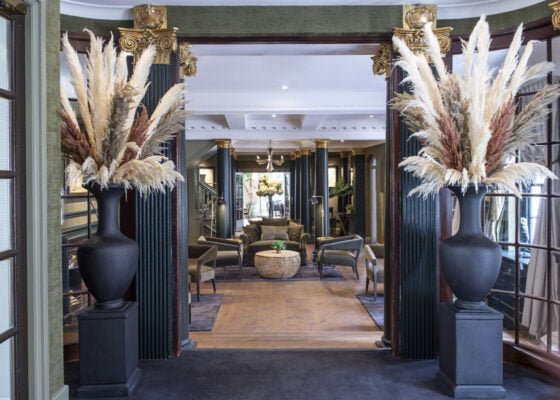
point(207, 200)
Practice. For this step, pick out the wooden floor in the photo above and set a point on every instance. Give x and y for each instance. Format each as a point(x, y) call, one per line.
point(291, 315)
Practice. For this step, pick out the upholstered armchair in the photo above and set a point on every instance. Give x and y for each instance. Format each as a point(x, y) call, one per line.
point(202, 264)
point(374, 268)
point(343, 251)
point(230, 251)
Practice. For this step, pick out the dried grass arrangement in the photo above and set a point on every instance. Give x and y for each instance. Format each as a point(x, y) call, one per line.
point(114, 140)
point(467, 125)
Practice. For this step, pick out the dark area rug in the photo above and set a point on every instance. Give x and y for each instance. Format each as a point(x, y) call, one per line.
point(375, 308)
point(204, 312)
point(306, 375)
point(305, 273)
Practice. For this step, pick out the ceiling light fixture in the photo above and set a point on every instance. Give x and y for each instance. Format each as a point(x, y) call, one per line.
point(273, 115)
point(270, 162)
point(284, 87)
point(371, 116)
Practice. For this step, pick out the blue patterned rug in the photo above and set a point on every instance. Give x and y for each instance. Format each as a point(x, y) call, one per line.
point(375, 309)
point(204, 312)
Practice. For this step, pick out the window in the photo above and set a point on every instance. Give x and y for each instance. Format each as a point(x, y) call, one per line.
point(527, 291)
point(13, 341)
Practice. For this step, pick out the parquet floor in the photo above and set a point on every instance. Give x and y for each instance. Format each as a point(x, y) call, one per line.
point(291, 315)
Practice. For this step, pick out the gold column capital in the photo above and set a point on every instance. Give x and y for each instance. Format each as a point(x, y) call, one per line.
point(150, 28)
point(297, 154)
point(305, 152)
point(187, 60)
point(223, 143)
point(382, 60)
point(344, 154)
point(322, 143)
point(358, 152)
point(555, 6)
point(414, 19)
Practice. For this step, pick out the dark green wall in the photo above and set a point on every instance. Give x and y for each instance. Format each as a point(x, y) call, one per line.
point(296, 21)
point(54, 181)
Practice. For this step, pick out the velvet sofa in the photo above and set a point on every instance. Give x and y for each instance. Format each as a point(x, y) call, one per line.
point(257, 237)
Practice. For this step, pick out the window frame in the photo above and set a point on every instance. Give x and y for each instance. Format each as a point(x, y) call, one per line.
point(17, 175)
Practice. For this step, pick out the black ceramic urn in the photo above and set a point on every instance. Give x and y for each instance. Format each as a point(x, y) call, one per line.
point(108, 260)
point(471, 262)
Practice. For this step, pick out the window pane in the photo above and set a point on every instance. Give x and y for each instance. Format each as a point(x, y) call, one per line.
point(533, 217)
point(6, 296)
point(499, 218)
point(5, 134)
point(7, 370)
point(5, 215)
point(4, 50)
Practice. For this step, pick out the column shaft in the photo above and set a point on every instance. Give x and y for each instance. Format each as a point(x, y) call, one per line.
point(321, 189)
point(360, 194)
point(223, 216)
point(305, 206)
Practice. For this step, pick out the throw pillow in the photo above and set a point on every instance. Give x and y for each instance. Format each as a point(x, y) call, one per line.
point(274, 232)
point(295, 231)
point(275, 221)
point(253, 232)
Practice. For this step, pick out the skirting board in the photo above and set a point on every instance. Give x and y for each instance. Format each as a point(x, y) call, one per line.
point(61, 394)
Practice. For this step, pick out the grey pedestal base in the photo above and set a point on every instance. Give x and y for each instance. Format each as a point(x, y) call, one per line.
point(470, 353)
point(109, 352)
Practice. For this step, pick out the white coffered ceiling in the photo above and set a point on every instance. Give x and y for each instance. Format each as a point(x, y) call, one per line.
point(447, 9)
point(286, 93)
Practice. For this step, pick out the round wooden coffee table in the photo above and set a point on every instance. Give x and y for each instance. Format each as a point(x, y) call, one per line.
point(270, 264)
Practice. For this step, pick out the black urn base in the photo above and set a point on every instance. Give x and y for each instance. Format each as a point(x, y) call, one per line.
point(109, 352)
point(470, 353)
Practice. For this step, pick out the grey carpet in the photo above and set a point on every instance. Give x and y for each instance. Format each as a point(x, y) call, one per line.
point(305, 273)
point(204, 312)
point(306, 375)
point(375, 308)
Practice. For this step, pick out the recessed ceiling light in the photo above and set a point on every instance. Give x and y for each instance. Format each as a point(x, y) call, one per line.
point(341, 140)
point(273, 115)
point(284, 87)
point(371, 116)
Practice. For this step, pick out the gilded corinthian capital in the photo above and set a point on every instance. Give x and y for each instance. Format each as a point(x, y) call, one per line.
point(414, 19)
point(150, 28)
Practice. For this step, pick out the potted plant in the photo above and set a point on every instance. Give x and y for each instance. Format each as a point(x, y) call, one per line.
point(341, 188)
point(267, 188)
point(470, 134)
point(278, 245)
point(111, 144)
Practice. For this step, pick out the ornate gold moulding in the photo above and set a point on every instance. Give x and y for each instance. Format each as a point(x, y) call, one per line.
point(382, 60)
point(555, 5)
point(414, 19)
point(150, 28)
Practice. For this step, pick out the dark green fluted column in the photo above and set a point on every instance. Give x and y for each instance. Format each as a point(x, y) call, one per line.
point(359, 192)
point(292, 166)
point(305, 190)
point(345, 177)
point(223, 215)
point(297, 185)
point(233, 205)
point(321, 188)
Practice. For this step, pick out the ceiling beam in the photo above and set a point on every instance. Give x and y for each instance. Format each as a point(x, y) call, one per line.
point(236, 121)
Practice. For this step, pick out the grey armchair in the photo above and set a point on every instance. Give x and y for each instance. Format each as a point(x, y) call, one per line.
point(202, 261)
point(374, 268)
point(230, 251)
point(344, 251)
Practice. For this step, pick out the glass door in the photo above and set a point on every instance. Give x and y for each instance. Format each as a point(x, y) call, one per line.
point(13, 346)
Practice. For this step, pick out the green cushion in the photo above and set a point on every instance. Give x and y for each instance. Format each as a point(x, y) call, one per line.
point(338, 257)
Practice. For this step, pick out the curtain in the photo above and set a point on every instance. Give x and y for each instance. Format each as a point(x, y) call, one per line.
point(534, 311)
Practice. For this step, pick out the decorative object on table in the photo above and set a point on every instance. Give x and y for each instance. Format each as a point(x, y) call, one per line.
point(255, 237)
point(113, 146)
point(278, 245)
point(270, 162)
point(470, 132)
point(277, 265)
point(268, 188)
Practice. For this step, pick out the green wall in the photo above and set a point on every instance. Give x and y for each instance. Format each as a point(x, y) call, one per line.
point(297, 21)
point(54, 176)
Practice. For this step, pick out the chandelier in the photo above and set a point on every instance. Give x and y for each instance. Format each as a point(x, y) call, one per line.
point(269, 161)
